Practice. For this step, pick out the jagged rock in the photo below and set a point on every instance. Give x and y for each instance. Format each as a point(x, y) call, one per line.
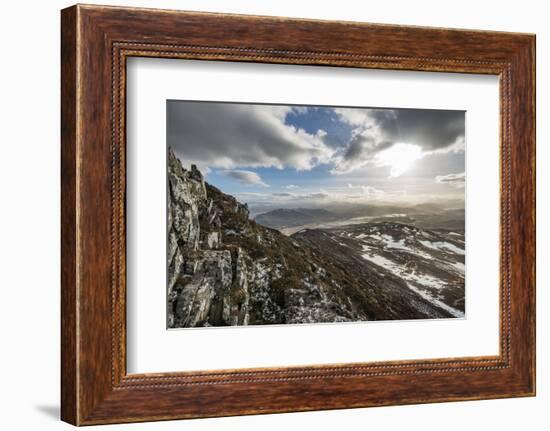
point(187, 193)
point(235, 310)
point(200, 297)
point(206, 286)
point(213, 239)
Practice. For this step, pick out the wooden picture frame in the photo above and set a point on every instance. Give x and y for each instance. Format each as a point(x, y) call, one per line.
point(96, 41)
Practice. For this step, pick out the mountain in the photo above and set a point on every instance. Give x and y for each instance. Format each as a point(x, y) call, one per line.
point(281, 218)
point(225, 269)
point(430, 263)
point(425, 215)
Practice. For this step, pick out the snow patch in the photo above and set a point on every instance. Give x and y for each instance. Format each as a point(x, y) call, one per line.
point(415, 281)
point(453, 311)
point(460, 266)
point(426, 280)
point(438, 245)
point(382, 261)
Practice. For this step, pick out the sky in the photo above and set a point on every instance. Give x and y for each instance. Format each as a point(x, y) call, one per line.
point(289, 156)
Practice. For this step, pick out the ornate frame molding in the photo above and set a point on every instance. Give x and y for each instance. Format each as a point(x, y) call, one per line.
point(96, 41)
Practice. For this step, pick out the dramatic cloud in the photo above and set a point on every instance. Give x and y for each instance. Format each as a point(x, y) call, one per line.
point(376, 130)
point(455, 180)
point(345, 155)
point(431, 129)
point(247, 178)
point(367, 117)
point(231, 135)
point(360, 151)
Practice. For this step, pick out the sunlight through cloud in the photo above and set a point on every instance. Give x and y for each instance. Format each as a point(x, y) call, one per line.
point(399, 157)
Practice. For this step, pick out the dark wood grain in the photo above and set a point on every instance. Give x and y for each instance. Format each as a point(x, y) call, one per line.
point(96, 41)
point(69, 397)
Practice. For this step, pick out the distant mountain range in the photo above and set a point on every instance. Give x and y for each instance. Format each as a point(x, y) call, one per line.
point(427, 215)
point(225, 269)
point(284, 217)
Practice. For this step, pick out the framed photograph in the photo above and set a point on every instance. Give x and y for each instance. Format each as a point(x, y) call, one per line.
point(266, 215)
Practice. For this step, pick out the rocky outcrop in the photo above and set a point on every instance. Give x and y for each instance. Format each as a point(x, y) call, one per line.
point(207, 283)
point(224, 269)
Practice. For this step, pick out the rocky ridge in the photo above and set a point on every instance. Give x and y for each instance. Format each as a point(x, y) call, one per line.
point(224, 269)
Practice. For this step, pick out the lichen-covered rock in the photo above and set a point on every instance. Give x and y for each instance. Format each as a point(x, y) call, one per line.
point(235, 310)
point(200, 296)
point(187, 195)
point(207, 284)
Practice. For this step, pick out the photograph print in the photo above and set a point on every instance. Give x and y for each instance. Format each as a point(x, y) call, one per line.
point(288, 214)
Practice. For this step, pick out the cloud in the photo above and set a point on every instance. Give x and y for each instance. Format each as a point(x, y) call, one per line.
point(319, 195)
point(301, 196)
point(228, 135)
point(337, 197)
point(247, 178)
point(360, 151)
point(366, 190)
point(245, 136)
point(432, 129)
point(371, 191)
point(376, 130)
point(366, 117)
point(455, 180)
point(255, 195)
point(292, 187)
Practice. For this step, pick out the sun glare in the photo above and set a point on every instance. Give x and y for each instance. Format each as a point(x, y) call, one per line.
point(399, 158)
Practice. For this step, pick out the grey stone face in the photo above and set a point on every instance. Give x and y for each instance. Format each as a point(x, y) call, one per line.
point(207, 285)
